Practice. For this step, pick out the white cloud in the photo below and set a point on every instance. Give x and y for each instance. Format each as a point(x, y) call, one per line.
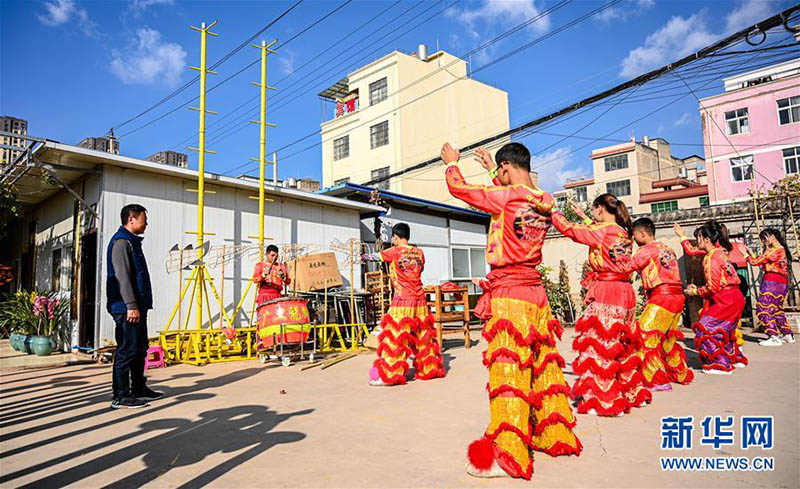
point(140, 5)
point(60, 12)
point(627, 9)
point(287, 61)
point(684, 120)
point(749, 12)
point(679, 37)
point(684, 35)
point(488, 19)
point(149, 60)
point(557, 168)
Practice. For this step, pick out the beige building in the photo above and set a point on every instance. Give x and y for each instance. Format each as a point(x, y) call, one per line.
point(645, 176)
point(14, 126)
point(397, 111)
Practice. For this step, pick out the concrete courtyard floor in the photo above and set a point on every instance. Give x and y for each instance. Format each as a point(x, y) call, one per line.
point(232, 425)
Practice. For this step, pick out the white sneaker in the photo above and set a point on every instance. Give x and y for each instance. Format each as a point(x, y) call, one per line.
point(788, 338)
point(717, 372)
point(739, 365)
point(771, 341)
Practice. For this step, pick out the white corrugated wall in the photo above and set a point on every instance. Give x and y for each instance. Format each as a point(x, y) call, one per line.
point(229, 213)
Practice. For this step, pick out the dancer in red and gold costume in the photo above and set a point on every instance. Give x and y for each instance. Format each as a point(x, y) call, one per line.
point(608, 341)
point(663, 358)
point(529, 404)
point(407, 328)
point(774, 287)
point(736, 254)
point(715, 337)
point(270, 276)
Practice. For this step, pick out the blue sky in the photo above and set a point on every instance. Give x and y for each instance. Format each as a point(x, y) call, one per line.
point(75, 68)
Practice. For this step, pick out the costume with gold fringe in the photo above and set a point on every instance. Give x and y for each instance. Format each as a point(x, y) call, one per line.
point(663, 358)
point(407, 327)
point(529, 400)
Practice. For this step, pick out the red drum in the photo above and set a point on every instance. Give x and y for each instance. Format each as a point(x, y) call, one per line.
point(289, 312)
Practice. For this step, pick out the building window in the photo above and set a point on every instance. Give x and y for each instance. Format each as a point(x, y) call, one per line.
point(468, 262)
point(378, 91)
point(581, 194)
point(620, 188)
point(791, 160)
point(616, 162)
point(670, 205)
point(341, 148)
point(341, 181)
point(704, 201)
point(55, 269)
point(737, 121)
point(379, 135)
point(789, 110)
point(742, 168)
point(381, 173)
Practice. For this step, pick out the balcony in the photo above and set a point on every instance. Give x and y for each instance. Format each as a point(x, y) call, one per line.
point(344, 100)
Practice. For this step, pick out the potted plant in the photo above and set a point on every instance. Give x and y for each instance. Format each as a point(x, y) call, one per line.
point(50, 312)
point(16, 315)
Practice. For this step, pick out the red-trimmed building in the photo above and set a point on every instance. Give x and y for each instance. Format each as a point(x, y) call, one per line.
point(645, 176)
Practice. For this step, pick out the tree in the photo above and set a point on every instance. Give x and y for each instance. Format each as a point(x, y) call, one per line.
point(585, 270)
point(565, 292)
point(557, 293)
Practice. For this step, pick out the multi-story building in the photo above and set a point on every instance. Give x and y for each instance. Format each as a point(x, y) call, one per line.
point(171, 158)
point(751, 132)
point(107, 144)
point(644, 175)
point(14, 126)
point(398, 111)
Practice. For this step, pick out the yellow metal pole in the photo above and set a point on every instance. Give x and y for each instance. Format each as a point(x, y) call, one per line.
point(352, 284)
point(201, 180)
point(204, 32)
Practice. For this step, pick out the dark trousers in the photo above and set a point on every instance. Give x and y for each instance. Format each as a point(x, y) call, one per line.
point(132, 344)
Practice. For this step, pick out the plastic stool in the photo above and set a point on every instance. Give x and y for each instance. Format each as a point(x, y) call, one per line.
point(155, 357)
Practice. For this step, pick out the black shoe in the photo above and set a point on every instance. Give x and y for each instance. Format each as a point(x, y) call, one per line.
point(148, 394)
point(128, 403)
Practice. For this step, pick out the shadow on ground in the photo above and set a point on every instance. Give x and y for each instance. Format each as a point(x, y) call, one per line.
point(178, 442)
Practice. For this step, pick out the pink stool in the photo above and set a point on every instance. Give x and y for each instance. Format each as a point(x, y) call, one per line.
point(155, 357)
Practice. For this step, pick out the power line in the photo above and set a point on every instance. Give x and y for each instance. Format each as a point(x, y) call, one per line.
point(767, 24)
point(287, 98)
point(285, 89)
point(222, 60)
point(237, 73)
point(483, 46)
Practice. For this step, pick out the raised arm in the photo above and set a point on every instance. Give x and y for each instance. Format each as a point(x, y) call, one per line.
point(770, 255)
point(487, 199)
point(712, 269)
point(588, 234)
point(639, 260)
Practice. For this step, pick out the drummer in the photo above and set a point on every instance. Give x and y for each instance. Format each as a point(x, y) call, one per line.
point(270, 275)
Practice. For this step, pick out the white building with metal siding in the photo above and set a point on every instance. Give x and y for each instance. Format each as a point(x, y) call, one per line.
point(107, 182)
point(452, 238)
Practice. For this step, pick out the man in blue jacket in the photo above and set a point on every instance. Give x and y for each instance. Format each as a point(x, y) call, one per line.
point(129, 297)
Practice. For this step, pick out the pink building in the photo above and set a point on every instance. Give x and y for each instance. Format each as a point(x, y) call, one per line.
point(751, 133)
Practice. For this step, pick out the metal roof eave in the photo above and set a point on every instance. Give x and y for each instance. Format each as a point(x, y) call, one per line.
point(67, 155)
point(354, 188)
